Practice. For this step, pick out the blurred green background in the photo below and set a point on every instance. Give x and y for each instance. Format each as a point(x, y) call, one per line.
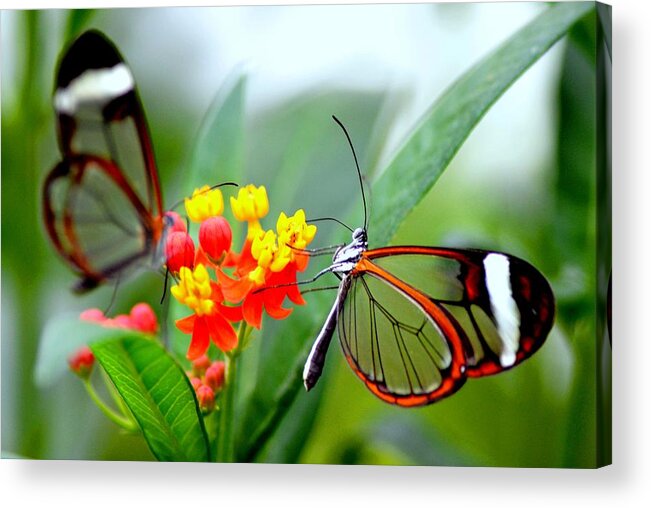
point(524, 182)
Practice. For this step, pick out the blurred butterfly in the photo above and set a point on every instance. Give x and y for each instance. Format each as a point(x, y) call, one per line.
point(102, 203)
point(415, 322)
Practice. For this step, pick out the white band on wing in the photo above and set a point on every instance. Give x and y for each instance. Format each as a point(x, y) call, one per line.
point(505, 310)
point(94, 86)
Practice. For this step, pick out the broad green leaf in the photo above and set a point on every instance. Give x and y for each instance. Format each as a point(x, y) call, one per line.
point(446, 125)
point(159, 395)
point(60, 339)
point(421, 160)
point(218, 155)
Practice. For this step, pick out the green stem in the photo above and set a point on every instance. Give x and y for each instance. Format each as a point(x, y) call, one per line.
point(113, 392)
point(120, 420)
point(225, 443)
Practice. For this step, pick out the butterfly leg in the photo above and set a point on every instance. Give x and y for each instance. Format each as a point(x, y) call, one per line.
point(320, 251)
point(298, 283)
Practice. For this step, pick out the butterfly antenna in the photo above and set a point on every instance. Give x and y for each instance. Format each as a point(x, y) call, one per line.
point(320, 219)
point(216, 186)
point(359, 172)
point(167, 275)
point(164, 326)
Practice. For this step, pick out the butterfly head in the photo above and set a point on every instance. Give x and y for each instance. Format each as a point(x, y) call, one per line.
point(359, 237)
point(346, 257)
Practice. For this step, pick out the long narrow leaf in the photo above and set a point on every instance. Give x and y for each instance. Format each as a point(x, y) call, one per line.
point(451, 119)
point(422, 159)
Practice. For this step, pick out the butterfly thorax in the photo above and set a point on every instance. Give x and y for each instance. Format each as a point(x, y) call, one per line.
point(345, 258)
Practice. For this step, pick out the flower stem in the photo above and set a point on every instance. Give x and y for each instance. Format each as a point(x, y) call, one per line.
point(120, 420)
point(225, 443)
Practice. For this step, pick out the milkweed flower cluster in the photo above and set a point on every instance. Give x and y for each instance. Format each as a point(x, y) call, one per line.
point(222, 287)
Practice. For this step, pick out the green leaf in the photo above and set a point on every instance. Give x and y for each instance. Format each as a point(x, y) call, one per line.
point(400, 438)
point(290, 438)
point(575, 183)
point(218, 155)
point(159, 395)
point(77, 19)
point(446, 125)
point(422, 159)
point(60, 339)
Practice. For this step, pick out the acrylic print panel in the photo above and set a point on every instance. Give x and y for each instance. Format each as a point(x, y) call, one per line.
point(230, 192)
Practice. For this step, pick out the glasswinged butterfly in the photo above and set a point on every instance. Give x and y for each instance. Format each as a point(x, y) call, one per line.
point(415, 322)
point(102, 202)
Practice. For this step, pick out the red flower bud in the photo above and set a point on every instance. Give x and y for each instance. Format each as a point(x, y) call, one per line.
point(81, 363)
point(196, 383)
point(177, 224)
point(206, 398)
point(93, 315)
point(200, 365)
point(120, 321)
point(214, 377)
point(179, 251)
point(215, 236)
point(143, 318)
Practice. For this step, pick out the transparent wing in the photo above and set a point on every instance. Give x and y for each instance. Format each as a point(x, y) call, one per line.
point(406, 352)
point(99, 114)
point(96, 226)
point(504, 306)
point(102, 203)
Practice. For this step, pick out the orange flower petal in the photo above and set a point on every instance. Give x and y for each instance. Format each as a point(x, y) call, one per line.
point(216, 292)
point(301, 261)
point(252, 309)
point(294, 294)
point(234, 290)
point(186, 324)
point(221, 332)
point(286, 279)
point(233, 314)
point(243, 262)
point(277, 312)
point(200, 339)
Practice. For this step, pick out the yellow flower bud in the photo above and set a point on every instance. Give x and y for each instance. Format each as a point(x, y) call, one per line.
point(251, 204)
point(204, 203)
point(194, 290)
point(294, 231)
